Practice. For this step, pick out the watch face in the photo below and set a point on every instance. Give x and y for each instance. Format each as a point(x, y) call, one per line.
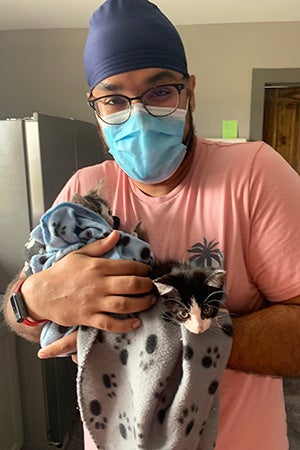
point(18, 306)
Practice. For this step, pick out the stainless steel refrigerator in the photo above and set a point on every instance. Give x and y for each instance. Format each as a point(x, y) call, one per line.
point(37, 156)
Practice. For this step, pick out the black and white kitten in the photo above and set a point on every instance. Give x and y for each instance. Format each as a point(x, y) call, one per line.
point(191, 295)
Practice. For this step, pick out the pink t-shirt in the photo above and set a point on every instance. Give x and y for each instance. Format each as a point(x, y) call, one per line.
point(234, 208)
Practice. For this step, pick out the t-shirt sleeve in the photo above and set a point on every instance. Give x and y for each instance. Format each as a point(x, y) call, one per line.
point(274, 244)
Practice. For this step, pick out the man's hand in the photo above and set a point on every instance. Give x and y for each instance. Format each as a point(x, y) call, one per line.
point(64, 346)
point(81, 287)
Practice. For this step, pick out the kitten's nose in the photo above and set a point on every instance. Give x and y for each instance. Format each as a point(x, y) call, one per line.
point(195, 329)
point(201, 329)
point(204, 325)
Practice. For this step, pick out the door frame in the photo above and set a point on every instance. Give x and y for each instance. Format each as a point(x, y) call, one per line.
point(260, 79)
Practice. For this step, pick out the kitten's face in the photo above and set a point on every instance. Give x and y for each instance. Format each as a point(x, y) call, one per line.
point(195, 300)
point(96, 203)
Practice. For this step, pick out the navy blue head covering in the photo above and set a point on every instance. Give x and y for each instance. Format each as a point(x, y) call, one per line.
point(128, 35)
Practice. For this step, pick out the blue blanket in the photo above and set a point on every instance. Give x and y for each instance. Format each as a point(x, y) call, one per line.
point(67, 227)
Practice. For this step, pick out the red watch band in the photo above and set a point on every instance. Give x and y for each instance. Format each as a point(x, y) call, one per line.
point(26, 320)
point(33, 323)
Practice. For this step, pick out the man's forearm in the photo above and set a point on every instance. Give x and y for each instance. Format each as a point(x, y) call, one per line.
point(266, 342)
point(30, 333)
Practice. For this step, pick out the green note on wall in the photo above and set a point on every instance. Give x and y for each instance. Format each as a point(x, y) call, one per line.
point(230, 129)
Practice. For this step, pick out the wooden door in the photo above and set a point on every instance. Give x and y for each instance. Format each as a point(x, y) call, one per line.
point(281, 127)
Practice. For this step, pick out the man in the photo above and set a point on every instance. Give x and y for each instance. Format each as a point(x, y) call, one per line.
point(232, 205)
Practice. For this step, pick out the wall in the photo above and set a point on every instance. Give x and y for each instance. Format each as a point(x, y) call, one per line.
point(42, 70)
point(223, 56)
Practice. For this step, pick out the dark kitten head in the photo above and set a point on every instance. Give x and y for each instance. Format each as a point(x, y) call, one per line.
point(96, 203)
point(191, 295)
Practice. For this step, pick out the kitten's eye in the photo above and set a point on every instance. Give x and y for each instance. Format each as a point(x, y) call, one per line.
point(207, 310)
point(182, 314)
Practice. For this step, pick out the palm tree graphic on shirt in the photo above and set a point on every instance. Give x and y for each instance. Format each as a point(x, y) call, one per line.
point(206, 253)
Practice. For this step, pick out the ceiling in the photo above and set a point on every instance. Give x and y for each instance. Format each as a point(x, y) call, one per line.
point(26, 14)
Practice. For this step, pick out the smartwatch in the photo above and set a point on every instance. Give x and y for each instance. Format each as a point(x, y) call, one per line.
point(20, 310)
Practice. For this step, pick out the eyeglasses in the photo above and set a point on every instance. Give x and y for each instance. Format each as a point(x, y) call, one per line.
point(160, 101)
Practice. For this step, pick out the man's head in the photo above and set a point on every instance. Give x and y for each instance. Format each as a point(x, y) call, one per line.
point(140, 88)
point(127, 35)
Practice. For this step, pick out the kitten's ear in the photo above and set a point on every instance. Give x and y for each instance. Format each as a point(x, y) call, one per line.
point(216, 278)
point(97, 189)
point(163, 289)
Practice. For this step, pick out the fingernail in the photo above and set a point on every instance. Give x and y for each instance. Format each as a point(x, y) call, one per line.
point(153, 300)
point(136, 324)
point(41, 354)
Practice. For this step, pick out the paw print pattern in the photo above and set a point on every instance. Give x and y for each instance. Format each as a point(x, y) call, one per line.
point(161, 397)
point(62, 329)
point(159, 394)
point(58, 229)
point(97, 419)
point(141, 251)
point(121, 342)
point(188, 353)
point(110, 384)
point(127, 430)
point(212, 389)
point(43, 259)
point(211, 358)
point(125, 427)
point(150, 347)
point(202, 428)
point(187, 418)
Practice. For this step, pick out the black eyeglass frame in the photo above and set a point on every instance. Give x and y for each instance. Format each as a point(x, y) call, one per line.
point(178, 86)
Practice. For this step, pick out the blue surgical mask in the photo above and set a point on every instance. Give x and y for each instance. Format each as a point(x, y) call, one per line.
point(147, 148)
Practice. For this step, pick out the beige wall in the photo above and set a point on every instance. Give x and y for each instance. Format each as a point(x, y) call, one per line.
point(223, 56)
point(41, 70)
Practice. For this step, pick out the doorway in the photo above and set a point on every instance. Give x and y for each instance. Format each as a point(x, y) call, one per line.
point(275, 111)
point(281, 126)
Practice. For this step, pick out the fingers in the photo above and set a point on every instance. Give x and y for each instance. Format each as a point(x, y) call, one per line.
point(64, 346)
point(68, 344)
point(108, 323)
point(101, 246)
point(127, 285)
point(120, 267)
point(126, 305)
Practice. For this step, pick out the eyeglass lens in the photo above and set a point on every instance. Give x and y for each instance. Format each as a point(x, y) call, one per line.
point(159, 101)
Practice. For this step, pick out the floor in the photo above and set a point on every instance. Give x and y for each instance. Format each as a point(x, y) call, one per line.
point(292, 401)
point(74, 439)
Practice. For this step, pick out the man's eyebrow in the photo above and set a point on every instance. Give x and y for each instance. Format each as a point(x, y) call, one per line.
point(109, 86)
point(164, 75)
point(160, 77)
